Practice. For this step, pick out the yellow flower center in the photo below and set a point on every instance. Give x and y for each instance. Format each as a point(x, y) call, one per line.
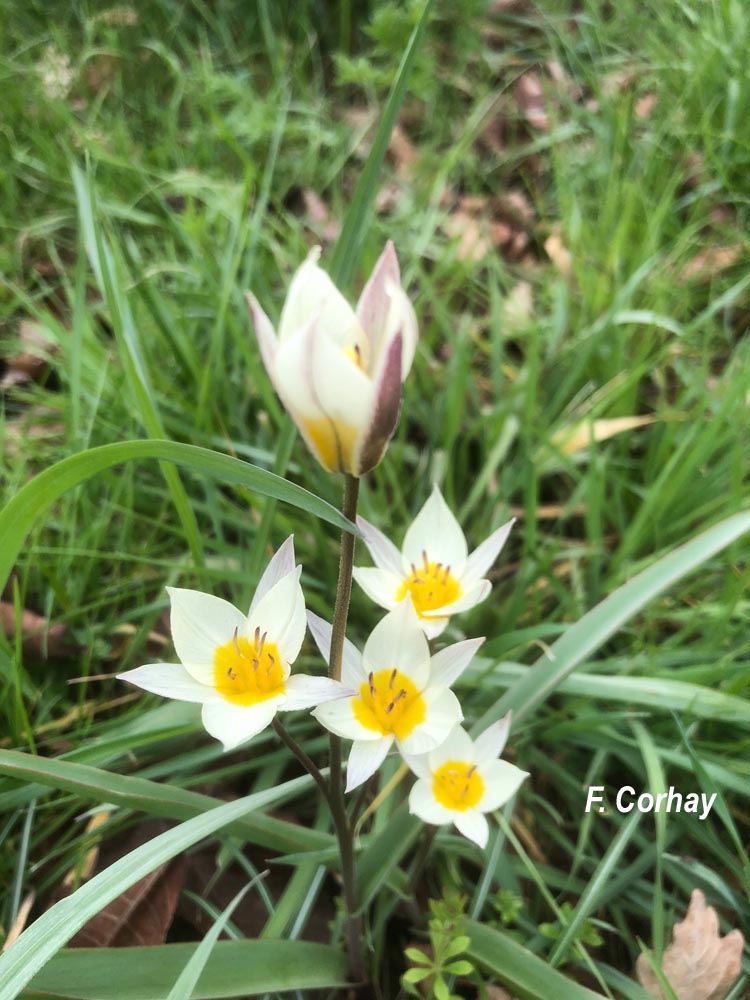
point(457, 785)
point(430, 585)
point(390, 704)
point(246, 672)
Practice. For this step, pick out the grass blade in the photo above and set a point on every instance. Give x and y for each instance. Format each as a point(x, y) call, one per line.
point(596, 627)
point(18, 517)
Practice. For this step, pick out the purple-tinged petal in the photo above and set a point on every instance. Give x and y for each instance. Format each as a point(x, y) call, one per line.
point(387, 403)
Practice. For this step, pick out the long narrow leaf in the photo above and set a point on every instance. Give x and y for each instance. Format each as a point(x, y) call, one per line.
point(39, 942)
point(17, 518)
point(595, 628)
point(156, 799)
point(525, 974)
point(235, 968)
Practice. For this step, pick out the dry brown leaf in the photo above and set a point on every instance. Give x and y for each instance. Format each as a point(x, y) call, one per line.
point(19, 923)
point(474, 242)
point(572, 439)
point(558, 253)
point(529, 96)
point(39, 639)
point(402, 149)
point(320, 216)
point(698, 964)
point(711, 261)
point(498, 993)
point(517, 308)
point(36, 346)
point(645, 105)
point(143, 914)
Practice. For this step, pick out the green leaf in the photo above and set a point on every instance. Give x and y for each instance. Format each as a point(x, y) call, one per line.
point(36, 946)
point(456, 946)
point(156, 799)
point(522, 972)
point(416, 975)
point(355, 225)
point(415, 955)
point(187, 979)
point(17, 518)
point(595, 628)
point(461, 968)
point(235, 968)
point(385, 851)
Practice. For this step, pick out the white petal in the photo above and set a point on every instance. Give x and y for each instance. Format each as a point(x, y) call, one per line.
point(375, 302)
point(313, 296)
point(398, 641)
point(384, 553)
point(433, 627)
point(345, 393)
point(484, 556)
point(458, 746)
point(352, 672)
point(235, 724)
point(492, 742)
point(448, 665)
point(472, 824)
point(304, 691)
point(379, 585)
point(419, 764)
point(364, 760)
point(401, 319)
point(443, 713)
point(477, 593)
point(294, 381)
point(170, 680)
point(266, 336)
point(423, 803)
point(338, 717)
point(280, 565)
point(437, 532)
point(201, 623)
point(501, 782)
point(281, 613)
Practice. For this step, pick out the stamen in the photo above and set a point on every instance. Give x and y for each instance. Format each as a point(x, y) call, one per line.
point(237, 649)
point(472, 770)
point(393, 678)
point(371, 683)
point(436, 571)
point(231, 675)
point(413, 570)
point(447, 574)
point(262, 643)
point(257, 637)
point(271, 663)
point(426, 561)
point(256, 663)
point(399, 696)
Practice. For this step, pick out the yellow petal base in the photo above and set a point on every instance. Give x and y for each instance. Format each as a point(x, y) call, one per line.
point(389, 704)
point(431, 586)
point(457, 785)
point(246, 672)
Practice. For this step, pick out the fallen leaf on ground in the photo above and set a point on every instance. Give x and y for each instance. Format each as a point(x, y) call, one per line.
point(529, 96)
point(474, 241)
point(572, 439)
point(517, 308)
point(558, 253)
point(711, 261)
point(143, 914)
point(320, 216)
point(39, 639)
point(36, 345)
point(402, 150)
point(645, 105)
point(698, 964)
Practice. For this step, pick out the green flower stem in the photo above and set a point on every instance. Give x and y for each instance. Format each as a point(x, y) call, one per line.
point(306, 761)
point(338, 808)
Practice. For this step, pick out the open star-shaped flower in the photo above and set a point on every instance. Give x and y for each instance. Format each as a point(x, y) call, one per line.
point(394, 692)
point(238, 666)
point(462, 780)
point(339, 371)
point(433, 567)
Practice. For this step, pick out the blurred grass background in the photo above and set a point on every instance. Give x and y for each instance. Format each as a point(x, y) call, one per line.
point(567, 191)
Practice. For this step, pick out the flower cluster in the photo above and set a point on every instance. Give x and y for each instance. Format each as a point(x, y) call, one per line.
point(339, 372)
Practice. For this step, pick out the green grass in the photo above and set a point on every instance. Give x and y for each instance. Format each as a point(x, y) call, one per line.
point(182, 144)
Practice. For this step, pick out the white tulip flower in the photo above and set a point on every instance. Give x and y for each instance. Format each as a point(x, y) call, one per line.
point(339, 371)
point(394, 691)
point(237, 666)
point(433, 568)
point(462, 780)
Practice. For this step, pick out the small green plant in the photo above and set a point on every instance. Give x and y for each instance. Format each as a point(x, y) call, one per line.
point(445, 947)
point(588, 934)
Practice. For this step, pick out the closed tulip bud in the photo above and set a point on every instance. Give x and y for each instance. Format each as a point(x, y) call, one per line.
point(339, 371)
